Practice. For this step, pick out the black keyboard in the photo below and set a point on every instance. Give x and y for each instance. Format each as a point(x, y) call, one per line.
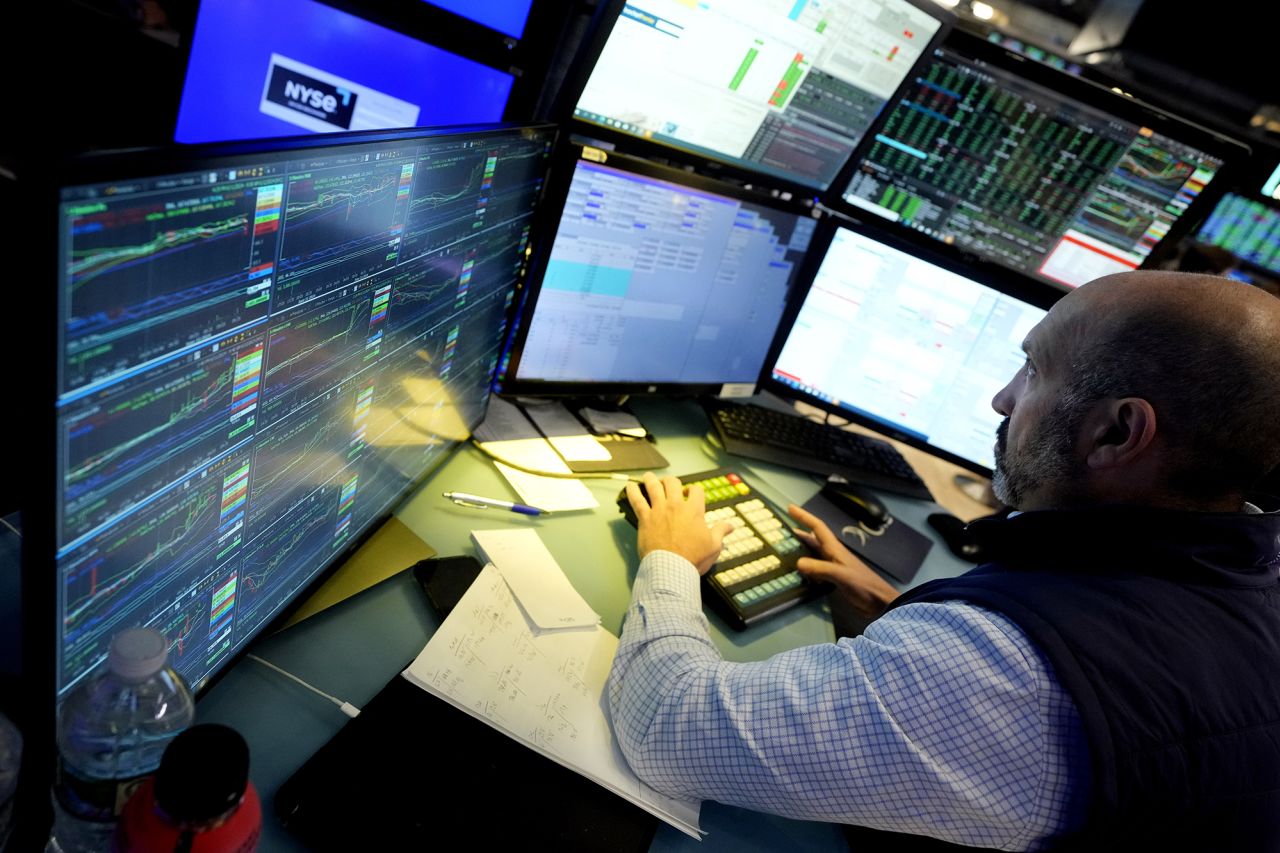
point(797, 442)
point(756, 575)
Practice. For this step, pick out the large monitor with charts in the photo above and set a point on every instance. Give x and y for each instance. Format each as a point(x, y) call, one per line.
point(784, 88)
point(907, 344)
point(260, 349)
point(262, 68)
point(1039, 171)
point(1247, 228)
point(654, 280)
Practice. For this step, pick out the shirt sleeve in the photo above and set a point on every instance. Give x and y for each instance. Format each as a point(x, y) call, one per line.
point(942, 719)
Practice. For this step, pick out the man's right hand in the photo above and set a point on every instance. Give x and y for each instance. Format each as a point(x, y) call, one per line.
point(865, 590)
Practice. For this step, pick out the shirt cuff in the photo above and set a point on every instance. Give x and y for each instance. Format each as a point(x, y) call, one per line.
point(671, 577)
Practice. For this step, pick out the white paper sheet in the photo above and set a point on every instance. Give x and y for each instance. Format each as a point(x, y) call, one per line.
point(546, 691)
point(535, 578)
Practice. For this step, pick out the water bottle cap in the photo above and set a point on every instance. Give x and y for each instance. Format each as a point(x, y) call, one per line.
point(203, 774)
point(137, 653)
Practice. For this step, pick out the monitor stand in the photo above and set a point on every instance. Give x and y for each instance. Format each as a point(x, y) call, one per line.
point(977, 489)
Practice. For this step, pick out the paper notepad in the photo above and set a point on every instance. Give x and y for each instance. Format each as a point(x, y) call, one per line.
point(535, 578)
point(543, 690)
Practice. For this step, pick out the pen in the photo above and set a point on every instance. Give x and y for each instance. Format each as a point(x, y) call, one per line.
point(464, 499)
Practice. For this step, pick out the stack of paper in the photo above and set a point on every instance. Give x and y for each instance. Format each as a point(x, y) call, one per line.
point(544, 688)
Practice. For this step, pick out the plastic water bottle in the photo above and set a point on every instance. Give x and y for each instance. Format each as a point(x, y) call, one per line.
point(199, 801)
point(112, 731)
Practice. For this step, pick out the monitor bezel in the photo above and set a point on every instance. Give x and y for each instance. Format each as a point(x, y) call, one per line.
point(562, 173)
point(40, 575)
point(706, 162)
point(1019, 287)
point(1233, 153)
point(518, 58)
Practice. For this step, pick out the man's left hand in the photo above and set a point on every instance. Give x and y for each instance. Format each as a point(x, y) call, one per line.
point(668, 521)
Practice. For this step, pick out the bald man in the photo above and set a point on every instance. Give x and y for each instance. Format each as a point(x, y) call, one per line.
point(1110, 681)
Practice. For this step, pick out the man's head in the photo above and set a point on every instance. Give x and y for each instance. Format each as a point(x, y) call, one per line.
point(1152, 388)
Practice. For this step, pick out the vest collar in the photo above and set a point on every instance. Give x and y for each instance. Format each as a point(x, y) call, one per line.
point(1222, 549)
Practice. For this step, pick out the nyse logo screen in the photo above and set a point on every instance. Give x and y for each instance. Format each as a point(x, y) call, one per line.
point(296, 91)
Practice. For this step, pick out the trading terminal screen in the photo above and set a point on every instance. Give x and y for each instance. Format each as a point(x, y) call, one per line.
point(1248, 229)
point(784, 88)
point(257, 359)
point(1023, 176)
point(263, 68)
point(652, 282)
point(899, 342)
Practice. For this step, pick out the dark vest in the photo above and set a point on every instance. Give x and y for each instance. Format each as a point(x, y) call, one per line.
point(1164, 628)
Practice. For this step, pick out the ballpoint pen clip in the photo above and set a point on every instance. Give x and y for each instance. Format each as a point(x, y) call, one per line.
point(461, 502)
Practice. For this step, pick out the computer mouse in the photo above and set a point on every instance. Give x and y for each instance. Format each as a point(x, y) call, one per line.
point(624, 504)
point(856, 503)
point(955, 533)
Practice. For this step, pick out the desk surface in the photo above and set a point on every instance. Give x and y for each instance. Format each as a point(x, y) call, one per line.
point(352, 649)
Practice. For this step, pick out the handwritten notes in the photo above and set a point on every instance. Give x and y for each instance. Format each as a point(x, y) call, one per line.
point(545, 689)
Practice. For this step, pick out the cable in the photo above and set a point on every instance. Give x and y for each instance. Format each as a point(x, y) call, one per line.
point(589, 476)
point(347, 708)
point(6, 523)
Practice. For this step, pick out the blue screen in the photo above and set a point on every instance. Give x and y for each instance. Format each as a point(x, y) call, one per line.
point(282, 67)
point(507, 16)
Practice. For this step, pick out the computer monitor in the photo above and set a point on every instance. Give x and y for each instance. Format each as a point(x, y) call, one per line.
point(654, 280)
point(261, 348)
point(263, 68)
point(1042, 172)
point(1247, 228)
point(906, 343)
point(507, 16)
point(786, 89)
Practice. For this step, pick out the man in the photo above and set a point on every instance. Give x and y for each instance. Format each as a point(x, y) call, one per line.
point(1110, 681)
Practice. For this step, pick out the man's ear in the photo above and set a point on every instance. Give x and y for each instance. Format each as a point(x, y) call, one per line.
point(1118, 432)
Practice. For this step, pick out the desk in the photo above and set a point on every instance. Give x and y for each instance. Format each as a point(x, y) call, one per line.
point(352, 649)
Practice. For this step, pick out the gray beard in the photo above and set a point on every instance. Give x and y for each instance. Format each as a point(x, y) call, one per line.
point(1044, 462)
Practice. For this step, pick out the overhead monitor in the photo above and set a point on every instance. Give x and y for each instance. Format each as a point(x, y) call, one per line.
point(784, 88)
point(263, 68)
point(506, 16)
point(1247, 228)
point(906, 344)
point(1041, 172)
point(655, 280)
point(261, 348)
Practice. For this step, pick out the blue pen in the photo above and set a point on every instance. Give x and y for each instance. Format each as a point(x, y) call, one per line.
point(464, 499)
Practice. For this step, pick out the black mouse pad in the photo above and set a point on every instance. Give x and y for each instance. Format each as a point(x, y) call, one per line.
point(895, 550)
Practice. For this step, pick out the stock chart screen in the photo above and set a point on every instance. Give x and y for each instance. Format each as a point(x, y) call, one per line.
point(1246, 228)
point(897, 341)
point(654, 281)
point(257, 358)
point(1026, 177)
point(782, 88)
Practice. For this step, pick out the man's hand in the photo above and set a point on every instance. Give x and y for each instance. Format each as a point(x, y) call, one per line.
point(668, 521)
point(865, 590)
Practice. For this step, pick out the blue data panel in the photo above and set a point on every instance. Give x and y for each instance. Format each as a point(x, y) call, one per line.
point(508, 16)
point(652, 282)
point(261, 68)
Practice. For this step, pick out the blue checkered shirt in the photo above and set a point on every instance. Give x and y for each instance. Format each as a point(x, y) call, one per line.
point(941, 719)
